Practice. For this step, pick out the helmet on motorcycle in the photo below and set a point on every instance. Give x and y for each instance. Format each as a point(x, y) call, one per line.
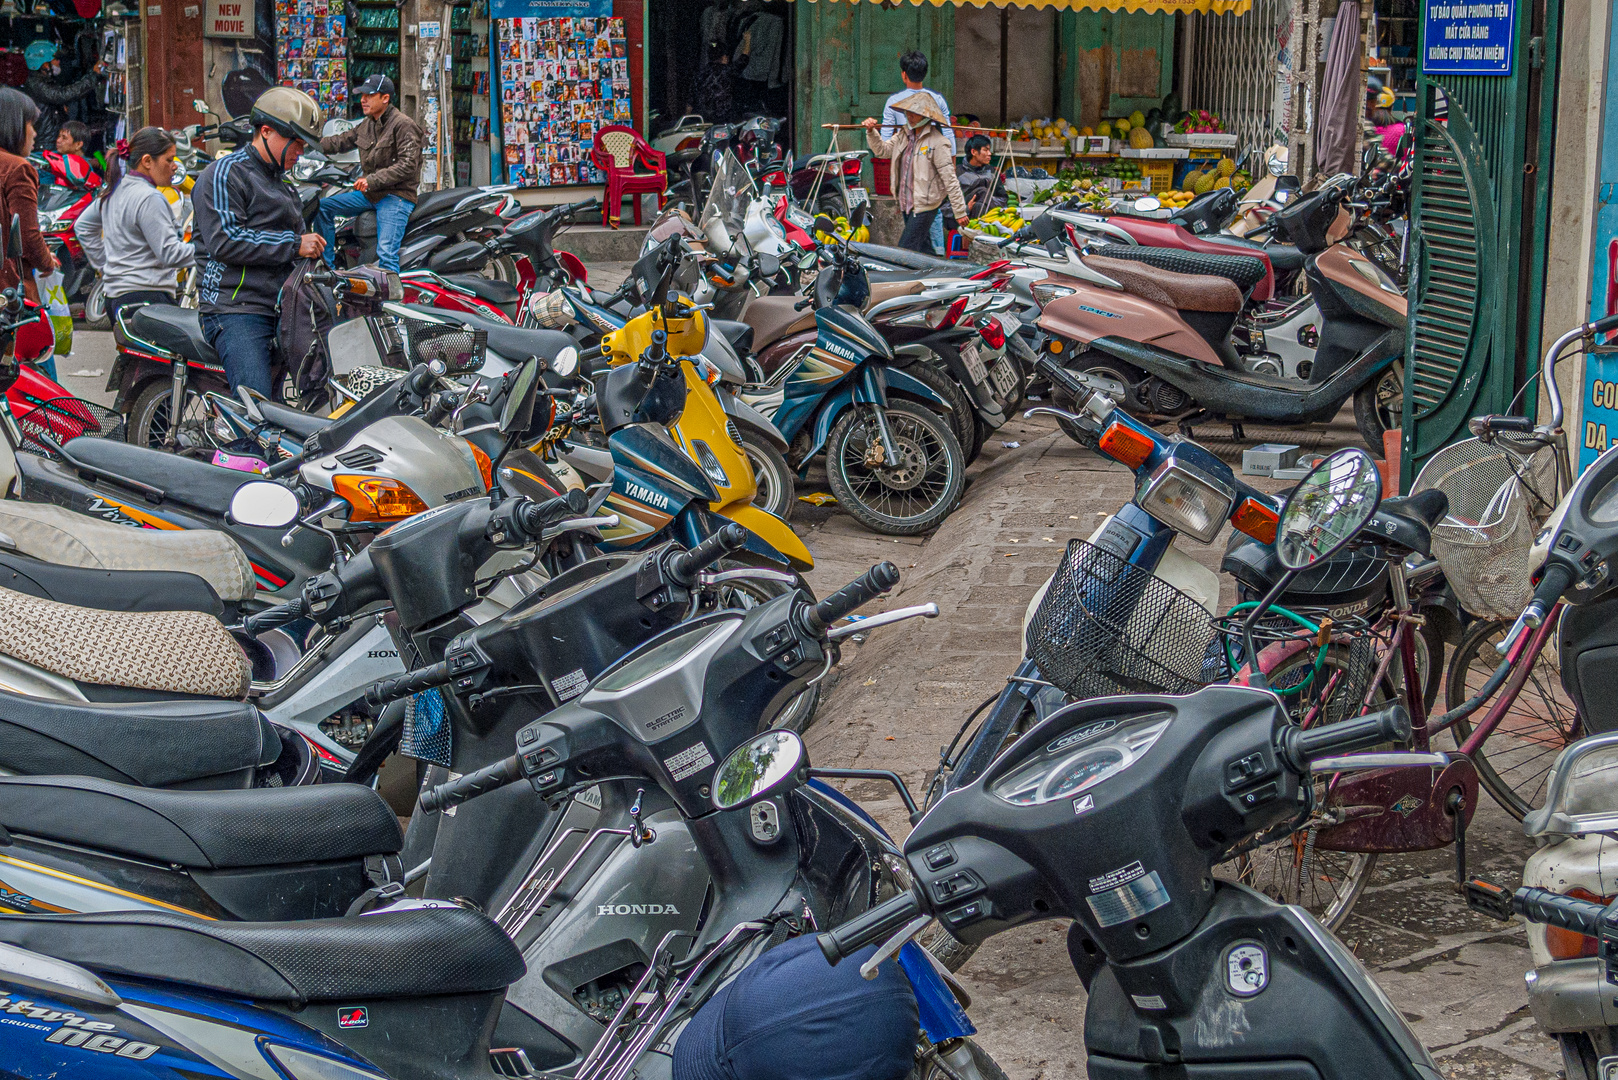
point(289, 111)
point(1385, 98)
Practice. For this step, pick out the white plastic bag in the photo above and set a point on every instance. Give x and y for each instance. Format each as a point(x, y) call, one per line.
point(53, 294)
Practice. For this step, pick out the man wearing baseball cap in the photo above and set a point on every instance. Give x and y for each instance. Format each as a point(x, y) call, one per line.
point(390, 155)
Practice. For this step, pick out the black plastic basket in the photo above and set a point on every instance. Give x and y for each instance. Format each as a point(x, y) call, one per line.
point(458, 348)
point(1106, 626)
point(62, 419)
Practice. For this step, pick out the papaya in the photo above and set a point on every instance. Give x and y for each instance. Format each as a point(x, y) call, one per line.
point(1140, 138)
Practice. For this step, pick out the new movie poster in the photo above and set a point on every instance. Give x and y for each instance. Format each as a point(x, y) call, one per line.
point(560, 81)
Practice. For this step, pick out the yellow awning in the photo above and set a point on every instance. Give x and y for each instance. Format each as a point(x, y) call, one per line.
point(1214, 7)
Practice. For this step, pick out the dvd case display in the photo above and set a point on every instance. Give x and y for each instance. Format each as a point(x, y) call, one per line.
point(560, 81)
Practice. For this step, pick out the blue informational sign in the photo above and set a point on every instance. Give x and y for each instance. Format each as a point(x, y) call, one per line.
point(1600, 413)
point(551, 9)
point(1465, 38)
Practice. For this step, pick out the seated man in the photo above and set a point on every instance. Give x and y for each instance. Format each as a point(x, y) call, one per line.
point(978, 180)
point(390, 155)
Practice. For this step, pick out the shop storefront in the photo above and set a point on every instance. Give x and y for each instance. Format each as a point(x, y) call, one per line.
point(51, 53)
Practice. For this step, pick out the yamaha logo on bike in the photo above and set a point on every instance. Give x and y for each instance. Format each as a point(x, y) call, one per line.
point(647, 496)
point(352, 1018)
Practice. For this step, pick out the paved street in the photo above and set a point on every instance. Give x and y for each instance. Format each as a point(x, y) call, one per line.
point(898, 698)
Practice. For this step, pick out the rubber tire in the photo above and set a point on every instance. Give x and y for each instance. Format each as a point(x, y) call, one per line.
point(1579, 1055)
point(1367, 414)
point(954, 484)
point(95, 307)
point(142, 413)
point(783, 493)
point(984, 1066)
point(963, 415)
point(945, 947)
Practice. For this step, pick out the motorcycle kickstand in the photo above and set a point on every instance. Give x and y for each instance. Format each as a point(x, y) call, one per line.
point(1455, 806)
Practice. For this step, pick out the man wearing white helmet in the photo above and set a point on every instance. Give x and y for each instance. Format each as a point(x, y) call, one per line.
point(249, 229)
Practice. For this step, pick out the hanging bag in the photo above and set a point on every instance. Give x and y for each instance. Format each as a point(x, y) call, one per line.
point(53, 297)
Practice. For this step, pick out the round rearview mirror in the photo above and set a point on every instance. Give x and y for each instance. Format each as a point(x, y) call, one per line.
point(566, 362)
point(759, 768)
point(1324, 512)
point(265, 505)
point(1276, 160)
point(1148, 204)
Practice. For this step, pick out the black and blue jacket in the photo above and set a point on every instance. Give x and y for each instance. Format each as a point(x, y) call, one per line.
point(248, 226)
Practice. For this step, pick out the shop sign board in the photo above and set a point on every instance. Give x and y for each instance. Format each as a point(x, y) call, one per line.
point(229, 19)
point(551, 9)
point(1468, 37)
point(1600, 412)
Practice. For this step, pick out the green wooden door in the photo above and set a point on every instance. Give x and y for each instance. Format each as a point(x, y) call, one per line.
point(886, 34)
point(1480, 198)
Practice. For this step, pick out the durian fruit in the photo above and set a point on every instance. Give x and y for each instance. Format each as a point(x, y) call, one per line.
point(1223, 181)
point(1205, 184)
point(1226, 167)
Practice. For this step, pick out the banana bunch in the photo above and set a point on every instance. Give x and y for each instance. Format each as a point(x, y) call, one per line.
point(861, 235)
point(1001, 221)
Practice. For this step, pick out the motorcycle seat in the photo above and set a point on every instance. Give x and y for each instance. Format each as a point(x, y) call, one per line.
point(897, 256)
point(109, 590)
point(1407, 521)
point(295, 422)
point(175, 652)
point(61, 537)
point(391, 954)
point(502, 294)
point(154, 744)
point(738, 334)
point(1284, 257)
point(1181, 291)
point(193, 483)
point(173, 329)
point(1242, 271)
point(775, 317)
point(436, 202)
point(515, 343)
point(892, 277)
point(210, 830)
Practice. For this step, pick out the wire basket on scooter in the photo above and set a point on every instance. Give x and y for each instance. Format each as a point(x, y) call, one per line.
point(1107, 626)
point(61, 419)
point(458, 348)
point(1499, 496)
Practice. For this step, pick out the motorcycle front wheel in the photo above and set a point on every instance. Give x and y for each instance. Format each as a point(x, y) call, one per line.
point(917, 494)
point(95, 307)
point(777, 488)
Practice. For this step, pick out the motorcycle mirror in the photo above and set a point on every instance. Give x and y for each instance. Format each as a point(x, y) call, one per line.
point(757, 769)
point(1148, 204)
point(201, 106)
point(1046, 228)
point(822, 224)
point(1367, 158)
point(14, 235)
point(1404, 145)
point(769, 265)
point(264, 505)
point(1324, 512)
point(518, 411)
point(566, 362)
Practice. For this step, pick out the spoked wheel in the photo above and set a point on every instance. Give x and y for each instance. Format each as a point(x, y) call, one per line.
point(910, 498)
point(1379, 406)
point(152, 417)
point(1515, 760)
point(777, 487)
point(1293, 869)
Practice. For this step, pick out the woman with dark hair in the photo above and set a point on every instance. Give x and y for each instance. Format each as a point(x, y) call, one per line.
point(19, 194)
point(130, 234)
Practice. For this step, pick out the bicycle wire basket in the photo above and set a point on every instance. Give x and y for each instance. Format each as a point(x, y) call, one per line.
point(61, 419)
point(1107, 626)
point(458, 348)
point(1499, 496)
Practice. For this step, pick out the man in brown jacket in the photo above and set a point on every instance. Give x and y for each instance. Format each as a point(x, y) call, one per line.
point(390, 155)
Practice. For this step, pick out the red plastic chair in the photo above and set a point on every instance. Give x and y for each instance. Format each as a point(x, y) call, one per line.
point(618, 152)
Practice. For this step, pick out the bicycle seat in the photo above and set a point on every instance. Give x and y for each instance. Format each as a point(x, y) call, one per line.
point(391, 954)
point(1407, 521)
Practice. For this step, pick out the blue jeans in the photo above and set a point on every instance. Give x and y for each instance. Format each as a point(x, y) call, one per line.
point(937, 235)
point(392, 214)
point(246, 344)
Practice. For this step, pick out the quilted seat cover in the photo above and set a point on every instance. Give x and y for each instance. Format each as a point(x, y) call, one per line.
point(58, 535)
point(179, 652)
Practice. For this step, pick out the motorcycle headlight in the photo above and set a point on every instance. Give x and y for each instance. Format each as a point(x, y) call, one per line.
point(305, 169)
point(1046, 291)
point(1185, 498)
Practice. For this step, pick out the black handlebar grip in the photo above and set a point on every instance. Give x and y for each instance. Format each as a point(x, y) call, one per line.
point(403, 686)
point(535, 516)
point(1554, 909)
point(277, 616)
point(470, 786)
point(420, 380)
point(1300, 746)
point(1485, 425)
point(685, 566)
point(851, 597)
point(878, 923)
point(1604, 325)
point(285, 467)
point(1558, 576)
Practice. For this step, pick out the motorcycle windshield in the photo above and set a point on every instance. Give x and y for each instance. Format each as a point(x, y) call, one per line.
point(732, 192)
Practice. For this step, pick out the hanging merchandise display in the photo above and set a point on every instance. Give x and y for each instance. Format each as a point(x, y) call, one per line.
point(561, 79)
point(312, 49)
point(124, 92)
point(374, 45)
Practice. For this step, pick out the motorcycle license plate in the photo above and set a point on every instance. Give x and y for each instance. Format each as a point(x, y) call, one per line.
point(857, 197)
point(1005, 379)
point(974, 363)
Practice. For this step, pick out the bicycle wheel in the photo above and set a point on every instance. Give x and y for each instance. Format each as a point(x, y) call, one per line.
point(1515, 760)
point(1293, 870)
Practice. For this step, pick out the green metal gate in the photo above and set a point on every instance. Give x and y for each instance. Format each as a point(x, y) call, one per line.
point(1480, 198)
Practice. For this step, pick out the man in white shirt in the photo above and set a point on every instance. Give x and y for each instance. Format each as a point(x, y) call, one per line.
point(913, 70)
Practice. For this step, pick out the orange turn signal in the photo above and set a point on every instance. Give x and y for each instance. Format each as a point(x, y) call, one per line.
point(1256, 520)
point(485, 466)
point(1124, 444)
point(377, 498)
point(1569, 944)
